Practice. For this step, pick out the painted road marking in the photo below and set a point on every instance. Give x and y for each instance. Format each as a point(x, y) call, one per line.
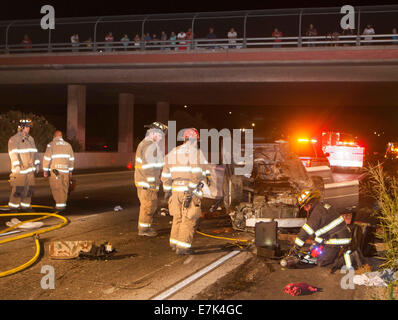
point(164, 295)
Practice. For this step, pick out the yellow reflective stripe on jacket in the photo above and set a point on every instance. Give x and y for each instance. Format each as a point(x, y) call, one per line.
point(318, 239)
point(330, 226)
point(299, 242)
point(338, 241)
point(308, 229)
point(166, 188)
point(26, 150)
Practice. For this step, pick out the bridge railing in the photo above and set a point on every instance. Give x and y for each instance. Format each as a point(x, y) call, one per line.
point(250, 25)
point(206, 44)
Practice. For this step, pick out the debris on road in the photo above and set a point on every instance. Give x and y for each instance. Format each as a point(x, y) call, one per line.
point(117, 208)
point(299, 288)
point(24, 225)
point(68, 249)
point(376, 279)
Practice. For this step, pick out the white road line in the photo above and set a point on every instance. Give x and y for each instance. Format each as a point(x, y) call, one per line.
point(164, 295)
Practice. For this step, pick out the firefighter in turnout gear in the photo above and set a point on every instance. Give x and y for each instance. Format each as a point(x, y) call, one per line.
point(24, 163)
point(59, 162)
point(149, 161)
point(184, 169)
point(327, 226)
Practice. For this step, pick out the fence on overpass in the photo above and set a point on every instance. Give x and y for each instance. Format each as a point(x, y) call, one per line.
point(254, 30)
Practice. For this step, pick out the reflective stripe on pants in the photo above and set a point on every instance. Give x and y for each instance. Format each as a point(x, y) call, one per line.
point(59, 188)
point(184, 219)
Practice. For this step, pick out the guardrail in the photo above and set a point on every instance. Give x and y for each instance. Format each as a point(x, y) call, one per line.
point(206, 44)
point(249, 22)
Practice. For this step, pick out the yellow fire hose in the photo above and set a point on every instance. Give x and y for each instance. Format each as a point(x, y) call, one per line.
point(35, 234)
point(238, 242)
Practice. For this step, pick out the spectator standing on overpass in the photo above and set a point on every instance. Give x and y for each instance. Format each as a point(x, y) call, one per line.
point(125, 40)
point(277, 35)
point(74, 39)
point(163, 38)
point(149, 162)
point(173, 39)
point(109, 41)
point(59, 162)
point(311, 32)
point(395, 36)
point(232, 35)
point(211, 36)
point(347, 32)
point(189, 37)
point(368, 32)
point(89, 42)
point(27, 42)
point(181, 36)
point(137, 41)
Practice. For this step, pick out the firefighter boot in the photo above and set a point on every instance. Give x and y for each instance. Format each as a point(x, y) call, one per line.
point(184, 251)
point(149, 232)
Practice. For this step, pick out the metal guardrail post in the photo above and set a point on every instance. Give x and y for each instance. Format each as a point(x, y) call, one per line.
point(300, 40)
point(359, 28)
point(95, 34)
point(245, 30)
point(8, 27)
point(143, 32)
point(193, 31)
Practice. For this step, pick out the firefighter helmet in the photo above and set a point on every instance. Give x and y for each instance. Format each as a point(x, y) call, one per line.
point(157, 125)
point(191, 133)
point(306, 196)
point(25, 123)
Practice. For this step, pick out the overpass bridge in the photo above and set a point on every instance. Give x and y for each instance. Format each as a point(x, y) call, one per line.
point(300, 70)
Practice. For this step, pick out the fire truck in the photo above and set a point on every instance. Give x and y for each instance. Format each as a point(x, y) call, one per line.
point(343, 150)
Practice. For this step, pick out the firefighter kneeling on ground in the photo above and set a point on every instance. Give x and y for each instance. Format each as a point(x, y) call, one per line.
point(59, 162)
point(184, 169)
point(327, 226)
point(24, 163)
point(149, 161)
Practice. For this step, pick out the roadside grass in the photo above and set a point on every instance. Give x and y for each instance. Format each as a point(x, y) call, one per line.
point(385, 191)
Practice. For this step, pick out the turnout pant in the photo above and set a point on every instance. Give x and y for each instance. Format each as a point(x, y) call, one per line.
point(184, 219)
point(59, 188)
point(329, 256)
point(148, 205)
point(21, 190)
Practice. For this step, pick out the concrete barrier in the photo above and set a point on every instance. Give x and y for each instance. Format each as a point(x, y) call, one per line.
point(83, 160)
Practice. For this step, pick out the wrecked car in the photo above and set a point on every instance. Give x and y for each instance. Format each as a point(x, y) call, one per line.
point(270, 192)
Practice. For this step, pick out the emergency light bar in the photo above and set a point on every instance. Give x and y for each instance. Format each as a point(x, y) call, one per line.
point(307, 140)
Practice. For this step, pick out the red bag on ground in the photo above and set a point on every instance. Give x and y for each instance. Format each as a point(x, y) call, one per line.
point(298, 288)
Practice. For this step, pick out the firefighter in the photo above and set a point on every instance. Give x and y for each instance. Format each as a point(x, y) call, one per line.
point(24, 163)
point(327, 226)
point(185, 167)
point(59, 161)
point(149, 161)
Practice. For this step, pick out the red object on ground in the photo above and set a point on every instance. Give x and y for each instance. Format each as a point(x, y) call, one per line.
point(298, 288)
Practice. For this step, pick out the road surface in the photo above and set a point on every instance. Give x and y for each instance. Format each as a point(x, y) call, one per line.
point(142, 268)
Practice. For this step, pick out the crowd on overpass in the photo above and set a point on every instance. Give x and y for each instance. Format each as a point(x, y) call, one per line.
point(185, 40)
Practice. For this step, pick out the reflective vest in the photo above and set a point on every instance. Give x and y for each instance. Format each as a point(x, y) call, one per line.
point(23, 153)
point(59, 155)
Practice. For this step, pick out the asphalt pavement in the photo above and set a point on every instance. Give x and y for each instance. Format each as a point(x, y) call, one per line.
point(142, 268)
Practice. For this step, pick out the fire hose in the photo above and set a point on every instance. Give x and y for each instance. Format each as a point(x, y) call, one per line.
point(34, 234)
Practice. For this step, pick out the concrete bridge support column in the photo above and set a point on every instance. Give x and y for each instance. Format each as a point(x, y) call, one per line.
point(162, 111)
point(76, 114)
point(126, 122)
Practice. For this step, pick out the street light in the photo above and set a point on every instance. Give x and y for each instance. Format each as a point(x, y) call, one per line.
point(253, 124)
